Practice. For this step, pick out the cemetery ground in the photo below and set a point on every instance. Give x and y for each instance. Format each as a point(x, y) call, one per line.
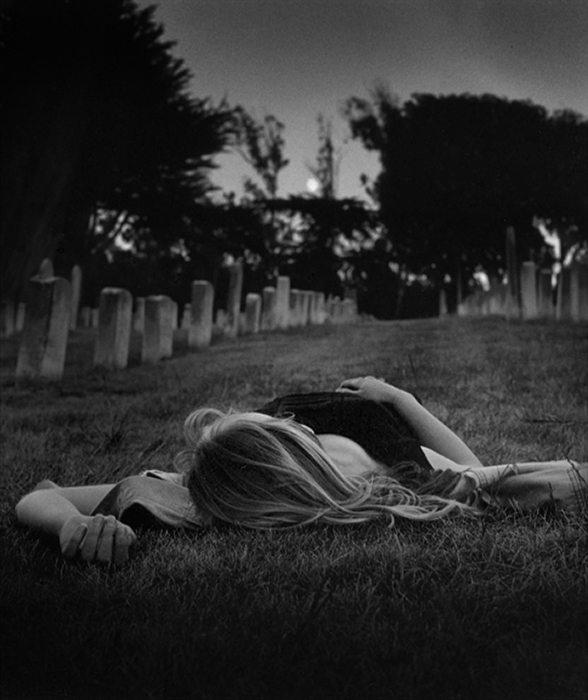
point(488, 608)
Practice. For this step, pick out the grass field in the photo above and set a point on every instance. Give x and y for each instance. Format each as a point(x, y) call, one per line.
point(486, 609)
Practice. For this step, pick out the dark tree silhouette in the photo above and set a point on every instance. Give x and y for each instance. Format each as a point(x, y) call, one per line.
point(325, 170)
point(456, 170)
point(261, 144)
point(323, 239)
point(95, 116)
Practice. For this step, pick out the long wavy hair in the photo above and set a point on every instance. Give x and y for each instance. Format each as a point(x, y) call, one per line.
point(258, 471)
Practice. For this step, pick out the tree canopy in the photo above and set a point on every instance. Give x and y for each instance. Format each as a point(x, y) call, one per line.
point(96, 116)
point(457, 170)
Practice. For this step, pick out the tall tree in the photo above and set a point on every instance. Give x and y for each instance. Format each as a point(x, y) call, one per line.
point(456, 170)
point(95, 116)
point(326, 168)
point(261, 144)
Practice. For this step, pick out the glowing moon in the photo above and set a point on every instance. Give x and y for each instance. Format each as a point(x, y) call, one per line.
point(312, 185)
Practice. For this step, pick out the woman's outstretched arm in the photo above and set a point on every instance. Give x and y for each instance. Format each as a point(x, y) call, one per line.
point(429, 430)
point(66, 513)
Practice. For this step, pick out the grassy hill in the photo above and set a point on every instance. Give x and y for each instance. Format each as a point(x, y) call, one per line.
point(491, 609)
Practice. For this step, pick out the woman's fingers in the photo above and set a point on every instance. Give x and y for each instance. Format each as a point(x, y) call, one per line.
point(351, 384)
point(105, 545)
point(357, 383)
point(100, 539)
point(123, 539)
point(90, 546)
point(71, 538)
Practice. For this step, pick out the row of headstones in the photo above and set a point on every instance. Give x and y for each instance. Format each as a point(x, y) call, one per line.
point(12, 316)
point(47, 320)
point(533, 296)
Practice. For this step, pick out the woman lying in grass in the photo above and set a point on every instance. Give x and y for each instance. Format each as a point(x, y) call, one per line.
point(367, 451)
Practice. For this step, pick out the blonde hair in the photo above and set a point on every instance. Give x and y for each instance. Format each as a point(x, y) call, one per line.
point(258, 471)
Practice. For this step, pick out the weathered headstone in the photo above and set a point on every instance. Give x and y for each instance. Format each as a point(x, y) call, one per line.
point(157, 342)
point(321, 313)
point(442, 303)
point(349, 310)
point(498, 298)
point(139, 315)
point(335, 310)
point(19, 320)
point(86, 317)
point(295, 304)
point(578, 292)
point(46, 269)
point(76, 295)
point(114, 328)
point(268, 309)
point(512, 303)
point(201, 309)
point(582, 293)
point(7, 319)
point(545, 294)
point(171, 320)
point(186, 317)
point(220, 321)
point(46, 327)
point(305, 308)
point(283, 302)
point(234, 299)
point(174, 309)
point(529, 290)
point(312, 308)
point(252, 313)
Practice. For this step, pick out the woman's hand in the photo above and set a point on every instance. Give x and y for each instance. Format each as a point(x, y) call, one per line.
point(96, 538)
point(371, 388)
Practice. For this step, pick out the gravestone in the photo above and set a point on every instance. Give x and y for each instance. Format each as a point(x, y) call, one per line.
point(545, 294)
point(582, 274)
point(498, 302)
point(334, 309)
point(578, 292)
point(294, 308)
point(282, 304)
point(7, 319)
point(220, 322)
point(173, 310)
point(305, 308)
point(268, 309)
point(76, 295)
point(529, 290)
point(252, 313)
point(46, 327)
point(442, 303)
point(114, 328)
point(349, 310)
point(170, 309)
point(157, 341)
point(46, 269)
point(186, 317)
point(234, 300)
point(94, 318)
point(139, 315)
point(21, 310)
point(201, 309)
point(512, 306)
point(86, 317)
point(321, 313)
point(312, 319)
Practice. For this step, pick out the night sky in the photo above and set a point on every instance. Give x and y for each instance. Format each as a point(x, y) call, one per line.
point(298, 58)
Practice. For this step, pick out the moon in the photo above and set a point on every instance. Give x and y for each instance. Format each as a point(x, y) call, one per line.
point(313, 185)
